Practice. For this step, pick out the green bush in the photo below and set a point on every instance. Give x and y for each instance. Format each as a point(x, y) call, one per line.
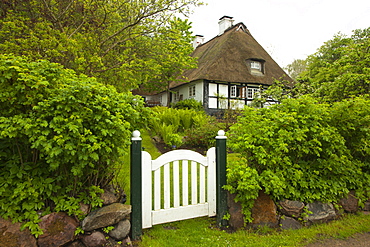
point(179, 127)
point(203, 133)
point(60, 137)
point(303, 150)
point(189, 104)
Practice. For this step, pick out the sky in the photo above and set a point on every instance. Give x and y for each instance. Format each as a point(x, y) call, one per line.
point(286, 29)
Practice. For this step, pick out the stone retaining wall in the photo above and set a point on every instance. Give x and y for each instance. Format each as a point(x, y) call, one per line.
point(288, 214)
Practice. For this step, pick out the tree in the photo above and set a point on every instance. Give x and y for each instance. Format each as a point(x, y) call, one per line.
point(340, 69)
point(120, 42)
point(296, 68)
point(172, 57)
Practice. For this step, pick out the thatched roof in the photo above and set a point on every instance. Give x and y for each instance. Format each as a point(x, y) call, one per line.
point(224, 58)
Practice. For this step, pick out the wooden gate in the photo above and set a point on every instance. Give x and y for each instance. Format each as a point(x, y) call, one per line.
point(178, 185)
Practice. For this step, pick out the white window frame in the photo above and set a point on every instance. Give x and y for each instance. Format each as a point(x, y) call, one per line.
point(233, 91)
point(256, 65)
point(251, 92)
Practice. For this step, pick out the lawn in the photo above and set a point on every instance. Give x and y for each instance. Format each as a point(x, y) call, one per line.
point(203, 232)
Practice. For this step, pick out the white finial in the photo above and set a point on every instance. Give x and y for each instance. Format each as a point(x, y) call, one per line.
point(221, 135)
point(136, 135)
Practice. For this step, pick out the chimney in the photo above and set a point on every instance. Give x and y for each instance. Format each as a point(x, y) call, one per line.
point(198, 40)
point(224, 23)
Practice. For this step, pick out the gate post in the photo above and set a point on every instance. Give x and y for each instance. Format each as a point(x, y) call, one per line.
point(221, 194)
point(135, 185)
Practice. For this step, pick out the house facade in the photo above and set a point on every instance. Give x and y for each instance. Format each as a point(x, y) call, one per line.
point(232, 70)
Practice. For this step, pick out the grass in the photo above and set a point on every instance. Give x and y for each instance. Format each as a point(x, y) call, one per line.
point(202, 232)
point(123, 172)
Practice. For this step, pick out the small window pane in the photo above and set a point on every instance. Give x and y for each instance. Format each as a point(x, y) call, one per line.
point(256, 65)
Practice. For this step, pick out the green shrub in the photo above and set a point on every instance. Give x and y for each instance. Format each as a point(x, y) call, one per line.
point(60, 137)
point(179, 127)
point(303, 150)
point(190, 104)
point(203, 133)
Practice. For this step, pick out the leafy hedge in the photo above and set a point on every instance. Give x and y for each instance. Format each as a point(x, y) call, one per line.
point(60, 137)
point(301, 150)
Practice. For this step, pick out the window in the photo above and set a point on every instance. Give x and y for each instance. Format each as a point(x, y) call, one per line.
point(176, 95)
point(192, 91)
point(252, 93)
point(256, 65)
point(233, 91)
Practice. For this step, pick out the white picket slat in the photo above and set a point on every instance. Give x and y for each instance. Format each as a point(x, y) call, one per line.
point(146, 187)
point(157, 189)
point(176, 184)
point(185, 183)
point(202, 184)
point(211, 180)
point(194, 183)
point(166, 182)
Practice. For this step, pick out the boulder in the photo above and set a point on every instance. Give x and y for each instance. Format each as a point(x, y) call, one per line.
point(350, 203)
point(76, 243)
point(108, 197)
point(289, 223)
point(264, 211)
point(321, 212)
point(126, 242)
point(95, 239)
point(121, 230)
point(367, 206)
point(236, 220)
point(291, 208)
point(106, 216)
point(58, 228)
point(12, 236)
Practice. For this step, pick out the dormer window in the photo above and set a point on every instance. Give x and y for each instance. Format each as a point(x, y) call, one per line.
point(256, 66)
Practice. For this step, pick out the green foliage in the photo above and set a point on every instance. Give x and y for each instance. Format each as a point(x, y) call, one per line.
point(184, 126)
point(340, 68)
point(61, 135)
point(297, 67)
point(189, 104)
point(303, 150)
point(243, 181)
point(204, 131)
point(122, 43)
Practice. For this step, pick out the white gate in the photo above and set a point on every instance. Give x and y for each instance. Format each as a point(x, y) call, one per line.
point(170, 194)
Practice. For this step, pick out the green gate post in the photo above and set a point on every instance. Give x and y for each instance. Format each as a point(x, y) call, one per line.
point(135, 183)
point(221, 194)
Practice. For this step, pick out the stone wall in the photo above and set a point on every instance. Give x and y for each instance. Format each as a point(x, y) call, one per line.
point(110, 225)
point(106, 226)
point(288, 214)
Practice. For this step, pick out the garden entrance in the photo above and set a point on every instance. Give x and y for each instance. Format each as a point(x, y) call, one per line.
point(178, 185)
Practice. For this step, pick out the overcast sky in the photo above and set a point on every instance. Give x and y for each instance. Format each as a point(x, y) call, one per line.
point(287, 29)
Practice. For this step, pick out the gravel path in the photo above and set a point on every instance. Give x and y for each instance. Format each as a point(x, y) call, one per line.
point(358, 240)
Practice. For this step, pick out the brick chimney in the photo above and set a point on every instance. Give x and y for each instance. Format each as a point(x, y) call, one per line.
point(224, 23)
point(198, 40)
